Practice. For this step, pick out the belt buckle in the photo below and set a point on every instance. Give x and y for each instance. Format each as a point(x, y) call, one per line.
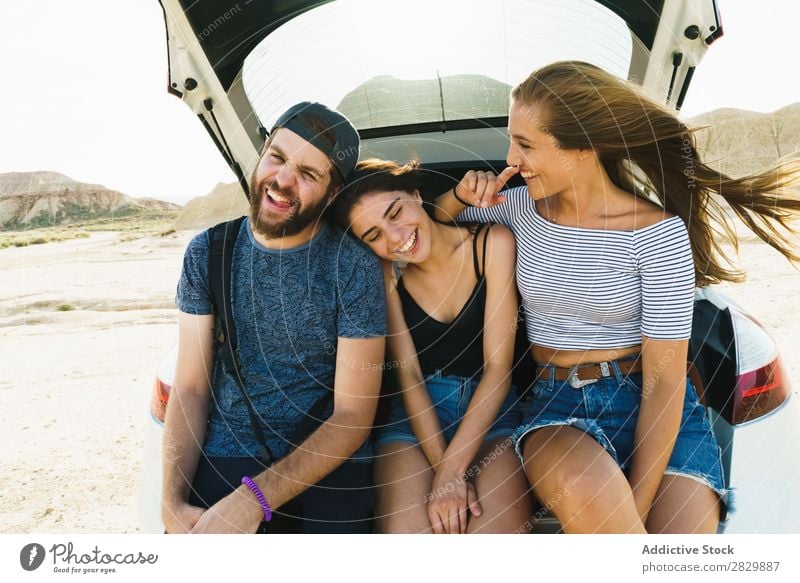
point(575, 382)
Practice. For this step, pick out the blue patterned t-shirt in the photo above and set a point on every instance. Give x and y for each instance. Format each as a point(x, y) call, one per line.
point(290, 306)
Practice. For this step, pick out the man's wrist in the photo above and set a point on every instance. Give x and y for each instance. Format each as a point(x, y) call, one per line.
point(260, 497)
point(249, 503)
point(173, 502)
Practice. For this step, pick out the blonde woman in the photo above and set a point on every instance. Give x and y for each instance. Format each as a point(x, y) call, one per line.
point(615, 439)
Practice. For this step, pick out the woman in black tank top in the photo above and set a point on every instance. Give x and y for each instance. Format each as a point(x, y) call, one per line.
point(443, 458)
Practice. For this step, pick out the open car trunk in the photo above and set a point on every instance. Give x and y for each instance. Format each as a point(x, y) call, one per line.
point(405, 72)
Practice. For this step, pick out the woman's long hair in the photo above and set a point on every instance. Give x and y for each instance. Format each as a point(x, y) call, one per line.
point(647, 150)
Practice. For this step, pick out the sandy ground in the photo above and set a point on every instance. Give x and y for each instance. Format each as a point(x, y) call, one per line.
point(75, 385)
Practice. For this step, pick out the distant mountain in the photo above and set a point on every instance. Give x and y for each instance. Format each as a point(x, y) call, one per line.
point(224, 202)
point(37, 199)
point(387, 101)
point(739, 142)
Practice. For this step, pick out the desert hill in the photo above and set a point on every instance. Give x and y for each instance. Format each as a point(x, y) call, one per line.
point(38, 199)
point(740, 142)
point(224, 202)
point(388, 101)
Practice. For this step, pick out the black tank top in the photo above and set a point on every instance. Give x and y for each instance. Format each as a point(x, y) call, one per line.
point(455, 347)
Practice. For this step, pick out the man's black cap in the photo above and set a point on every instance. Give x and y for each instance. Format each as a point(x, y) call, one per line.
point(344, 152)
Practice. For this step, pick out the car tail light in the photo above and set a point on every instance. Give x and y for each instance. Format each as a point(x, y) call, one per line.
point(760, 391)
point(158, 402)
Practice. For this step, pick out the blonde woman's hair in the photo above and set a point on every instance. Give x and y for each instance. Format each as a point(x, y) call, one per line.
point(647, 150)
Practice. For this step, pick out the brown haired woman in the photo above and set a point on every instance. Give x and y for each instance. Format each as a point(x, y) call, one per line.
point(614, 228)
point(443, 461)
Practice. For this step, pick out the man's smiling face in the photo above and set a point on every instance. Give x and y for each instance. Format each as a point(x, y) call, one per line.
point(290, 187)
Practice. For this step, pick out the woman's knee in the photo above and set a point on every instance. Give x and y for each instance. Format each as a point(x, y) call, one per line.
point(583, 486)
point(571, 468)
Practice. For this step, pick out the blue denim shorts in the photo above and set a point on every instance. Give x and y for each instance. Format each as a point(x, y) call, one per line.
point(608, 409)
point(451, 396)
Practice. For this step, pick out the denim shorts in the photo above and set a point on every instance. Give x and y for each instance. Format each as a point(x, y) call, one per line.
point(608, 409)
point(451, 396)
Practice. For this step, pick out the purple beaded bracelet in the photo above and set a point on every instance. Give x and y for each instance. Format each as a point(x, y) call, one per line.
point(260, 497)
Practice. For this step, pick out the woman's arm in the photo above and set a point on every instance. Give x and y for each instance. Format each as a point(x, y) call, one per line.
point(666, 265)
point(479, 190)
point(452, 495)
point(663, 390)
point(499, 334)
point(417, 401)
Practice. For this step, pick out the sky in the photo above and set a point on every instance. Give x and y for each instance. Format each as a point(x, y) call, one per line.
point(83, 90)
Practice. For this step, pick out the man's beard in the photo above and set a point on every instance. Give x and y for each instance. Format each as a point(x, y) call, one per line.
point(297, 219)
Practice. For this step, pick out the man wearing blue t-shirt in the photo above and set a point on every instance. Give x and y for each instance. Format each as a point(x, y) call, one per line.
point(309, 311)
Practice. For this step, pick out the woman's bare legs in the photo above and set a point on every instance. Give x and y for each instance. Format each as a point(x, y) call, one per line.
point(403, 481)
point(683, 505)
point(503, 490)
point(573, 475)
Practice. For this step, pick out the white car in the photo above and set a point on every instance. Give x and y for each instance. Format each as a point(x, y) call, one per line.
point(431, 79)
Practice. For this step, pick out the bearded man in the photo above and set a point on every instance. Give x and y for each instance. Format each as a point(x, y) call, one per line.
point(309, 309)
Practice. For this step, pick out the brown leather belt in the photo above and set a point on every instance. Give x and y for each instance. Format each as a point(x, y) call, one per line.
point(586, 374)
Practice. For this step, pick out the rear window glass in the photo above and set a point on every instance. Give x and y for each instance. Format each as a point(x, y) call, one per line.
point(396, 63)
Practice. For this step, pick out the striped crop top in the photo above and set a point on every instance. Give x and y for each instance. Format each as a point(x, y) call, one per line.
point(586, 289)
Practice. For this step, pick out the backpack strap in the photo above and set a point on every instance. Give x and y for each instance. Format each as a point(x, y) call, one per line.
point(220, 265)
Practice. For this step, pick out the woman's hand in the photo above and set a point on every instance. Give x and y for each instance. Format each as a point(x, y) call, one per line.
point(452, 498)
point(479, 188)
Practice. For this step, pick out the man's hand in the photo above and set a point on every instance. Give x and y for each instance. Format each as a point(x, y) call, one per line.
point(236, 513)
point(479, 188)
point(182, 518)
point(452, 498)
